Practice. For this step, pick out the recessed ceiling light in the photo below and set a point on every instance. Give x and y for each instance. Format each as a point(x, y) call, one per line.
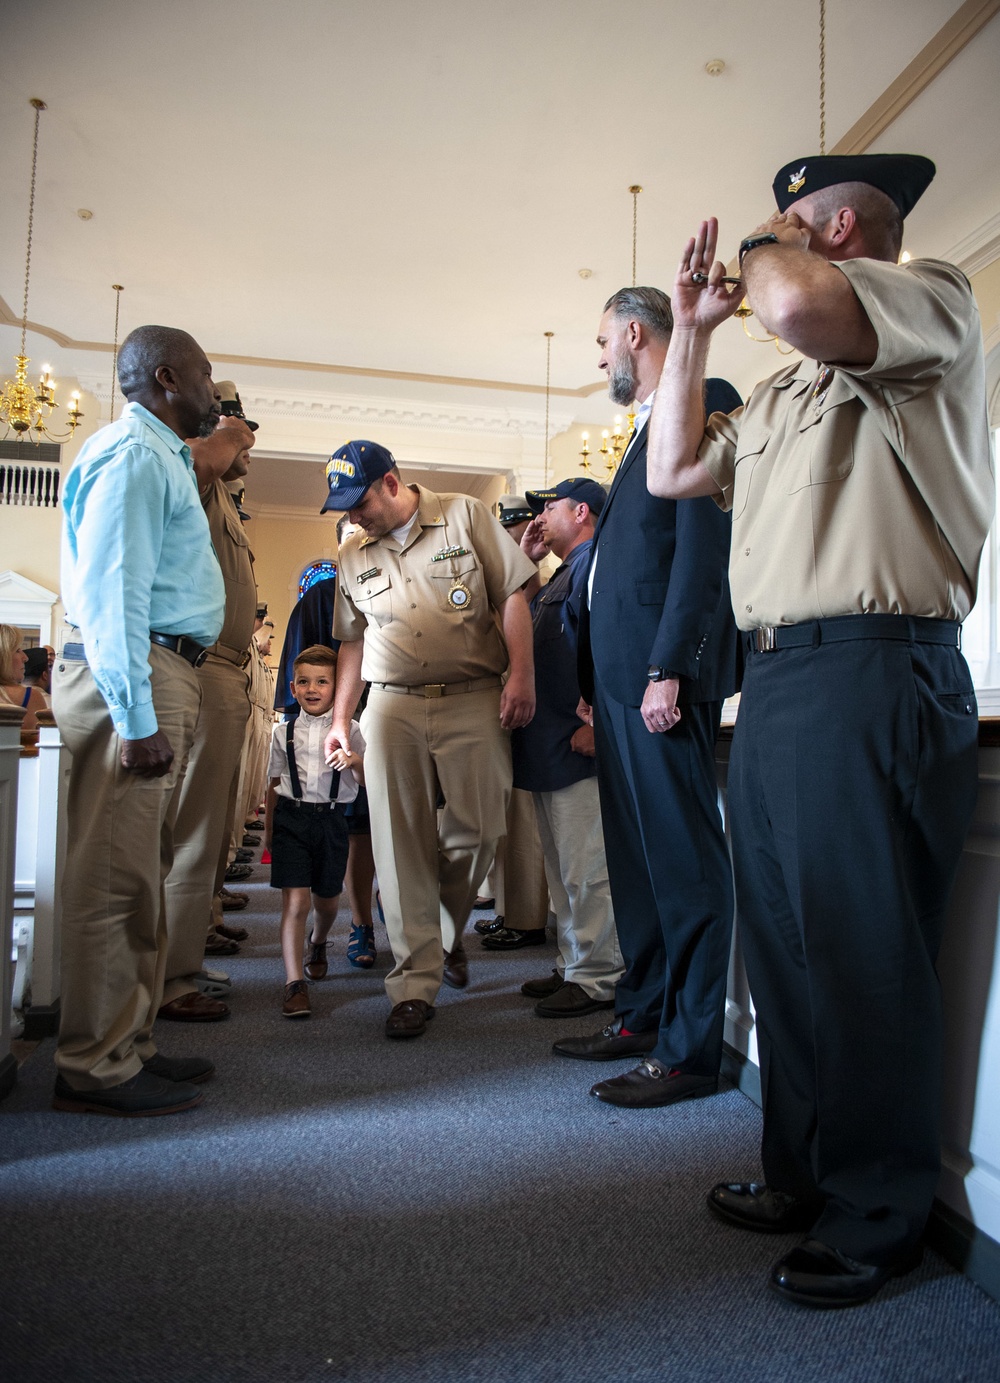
point(715, 67)
point(585, 273)
point(85, 215)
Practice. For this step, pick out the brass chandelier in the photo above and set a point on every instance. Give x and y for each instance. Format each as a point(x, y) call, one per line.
point(24, 408)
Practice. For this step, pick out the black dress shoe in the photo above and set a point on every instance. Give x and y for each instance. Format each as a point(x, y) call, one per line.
point(456, 968)
point(243, 856)
point(817, 1275)
point(608, 1045)
point(513, 938)
point(651, 1085)
point(193, 1069)
point(570, 1000)
point(751, 1205)
point(489, 926)
point(236, 872)
point(541, 989)
point(142, 1096)
point(409, 1019)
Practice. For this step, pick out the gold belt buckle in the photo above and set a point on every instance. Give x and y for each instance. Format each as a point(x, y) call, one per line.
point(765, 640)
point(433, 689)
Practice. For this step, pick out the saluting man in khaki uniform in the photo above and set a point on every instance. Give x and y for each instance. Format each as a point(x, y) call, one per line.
point(861, 489)
point(416, 596)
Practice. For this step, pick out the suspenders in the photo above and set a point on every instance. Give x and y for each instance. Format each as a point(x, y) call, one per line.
point(293, 771)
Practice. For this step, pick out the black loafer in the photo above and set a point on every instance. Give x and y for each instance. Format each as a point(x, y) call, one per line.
point(817, 1275)
point(651, 1085)
point(608, 1045)
point(751, 1205)
point(513, 938)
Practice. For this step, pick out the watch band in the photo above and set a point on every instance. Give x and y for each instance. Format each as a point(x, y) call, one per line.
point(661, 674)
point(753, 242)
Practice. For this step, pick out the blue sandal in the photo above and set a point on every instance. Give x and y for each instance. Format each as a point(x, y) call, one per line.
point(361, 947)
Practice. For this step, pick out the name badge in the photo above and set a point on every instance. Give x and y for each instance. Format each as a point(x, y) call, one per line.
point(367, 575)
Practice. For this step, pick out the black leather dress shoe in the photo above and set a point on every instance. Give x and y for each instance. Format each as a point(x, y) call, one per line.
point(651, 1085)
point(751, 1205)
point(607, 1045)
point(193, 1069)
point(541, 989)
point(816, 1275)
point(489, 926)
point(513, 938)
point(456, 968)
point(409, 1019)
point(570, 1001)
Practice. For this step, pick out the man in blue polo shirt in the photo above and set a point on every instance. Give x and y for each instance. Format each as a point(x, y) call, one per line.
point(554, 760)
point(142, 585)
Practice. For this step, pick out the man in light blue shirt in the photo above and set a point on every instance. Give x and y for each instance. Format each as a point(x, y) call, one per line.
point(142, 585)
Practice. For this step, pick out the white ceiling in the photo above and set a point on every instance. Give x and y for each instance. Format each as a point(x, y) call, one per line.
point(413, 187)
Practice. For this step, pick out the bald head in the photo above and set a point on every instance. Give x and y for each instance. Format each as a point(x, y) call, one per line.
point(167, 372)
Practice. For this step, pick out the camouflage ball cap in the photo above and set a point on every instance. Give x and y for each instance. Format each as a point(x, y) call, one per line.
point(351, 470)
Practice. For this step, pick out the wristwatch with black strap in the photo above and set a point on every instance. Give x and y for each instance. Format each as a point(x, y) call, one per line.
point(753, 242)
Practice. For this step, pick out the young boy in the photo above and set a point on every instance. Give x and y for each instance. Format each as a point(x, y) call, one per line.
point(304, 828)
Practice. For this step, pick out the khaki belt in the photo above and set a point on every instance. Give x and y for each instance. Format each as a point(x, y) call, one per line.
point(846, 628)
point(231, 655)
point(434, 689)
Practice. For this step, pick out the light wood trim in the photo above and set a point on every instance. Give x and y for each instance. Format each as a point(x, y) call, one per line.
point(932, 59)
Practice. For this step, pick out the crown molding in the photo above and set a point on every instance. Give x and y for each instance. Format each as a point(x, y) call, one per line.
point(358, 413)
point(979, 249)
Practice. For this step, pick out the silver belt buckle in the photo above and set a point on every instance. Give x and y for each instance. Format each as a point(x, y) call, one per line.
point(765, 640)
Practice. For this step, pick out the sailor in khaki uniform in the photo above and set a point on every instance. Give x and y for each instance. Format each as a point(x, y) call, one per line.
point(201, 837)
point(861, 489)
point(416, 596)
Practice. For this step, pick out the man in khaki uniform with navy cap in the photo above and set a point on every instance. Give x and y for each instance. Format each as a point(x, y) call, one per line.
point(861, 489)
point(417, 595)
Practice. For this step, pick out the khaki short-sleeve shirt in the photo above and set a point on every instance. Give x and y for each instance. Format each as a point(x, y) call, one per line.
point(876, 492)
point(236, 562)
point(426, 609)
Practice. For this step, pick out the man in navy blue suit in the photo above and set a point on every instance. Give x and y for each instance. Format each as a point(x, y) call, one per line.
point(658, 656)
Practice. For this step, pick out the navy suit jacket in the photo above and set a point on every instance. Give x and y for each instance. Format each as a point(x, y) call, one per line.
point(661, 587)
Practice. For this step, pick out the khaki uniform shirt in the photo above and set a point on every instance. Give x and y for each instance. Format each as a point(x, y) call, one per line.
point(426, 610)
point(877, 493)
point(261, 689)
point(236, 561)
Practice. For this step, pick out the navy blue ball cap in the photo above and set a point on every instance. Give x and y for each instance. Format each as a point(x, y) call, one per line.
point(351, 470)
point(904, 178)
point(580, 488)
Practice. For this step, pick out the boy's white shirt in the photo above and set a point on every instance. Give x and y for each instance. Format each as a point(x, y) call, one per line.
point(314, 772)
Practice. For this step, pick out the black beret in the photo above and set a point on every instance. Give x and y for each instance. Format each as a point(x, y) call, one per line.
point(902, 177)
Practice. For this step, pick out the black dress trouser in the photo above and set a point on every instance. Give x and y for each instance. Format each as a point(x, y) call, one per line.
point(851, 789)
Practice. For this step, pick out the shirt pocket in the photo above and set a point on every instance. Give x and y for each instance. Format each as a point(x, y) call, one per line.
point(459, 584)
point(373, 597)
point(240, 561)
point(551, 619)
point(748, 455)
point(826, 440)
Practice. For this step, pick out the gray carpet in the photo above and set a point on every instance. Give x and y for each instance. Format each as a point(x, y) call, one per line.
point(454, 1208)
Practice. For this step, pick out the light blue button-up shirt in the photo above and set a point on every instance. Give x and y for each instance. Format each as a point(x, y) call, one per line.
point(136, 555)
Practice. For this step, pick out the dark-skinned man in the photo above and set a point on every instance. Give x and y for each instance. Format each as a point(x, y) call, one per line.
point(143, 587)
point(861, 488)
point(208, 793)
point(418, 593)
point(658, 657)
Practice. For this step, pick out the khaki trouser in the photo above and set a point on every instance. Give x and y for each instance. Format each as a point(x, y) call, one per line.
point(120, 849)
point(522, 894)
point(569, 824)
point(252, 778)
point(427, 872)
point(201, 837)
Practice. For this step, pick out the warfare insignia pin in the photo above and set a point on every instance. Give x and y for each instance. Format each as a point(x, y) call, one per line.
point(367, 575)
point(447, 552)
point(798, 180)
point(459, 597)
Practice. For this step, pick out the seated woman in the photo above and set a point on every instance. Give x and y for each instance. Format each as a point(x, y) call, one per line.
point(12, 688)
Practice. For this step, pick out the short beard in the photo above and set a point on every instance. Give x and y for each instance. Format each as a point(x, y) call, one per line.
point(208, 424)
point(622, 382)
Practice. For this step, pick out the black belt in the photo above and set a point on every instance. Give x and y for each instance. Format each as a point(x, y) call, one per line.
point(191, 652)
point(845, 628)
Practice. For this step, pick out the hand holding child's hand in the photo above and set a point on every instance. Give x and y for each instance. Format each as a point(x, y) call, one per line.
point(340, 759)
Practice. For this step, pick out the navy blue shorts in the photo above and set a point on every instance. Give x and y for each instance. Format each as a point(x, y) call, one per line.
point(359, 822)
point(308, 847)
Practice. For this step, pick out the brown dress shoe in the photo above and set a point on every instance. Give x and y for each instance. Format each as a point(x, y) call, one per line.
point(409, 1019)
point(194, 1008)
point(296, 1002)
point(233, 902)
point(218, 943)
point(316, 966)
point(230, 933)
point(456, 968)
